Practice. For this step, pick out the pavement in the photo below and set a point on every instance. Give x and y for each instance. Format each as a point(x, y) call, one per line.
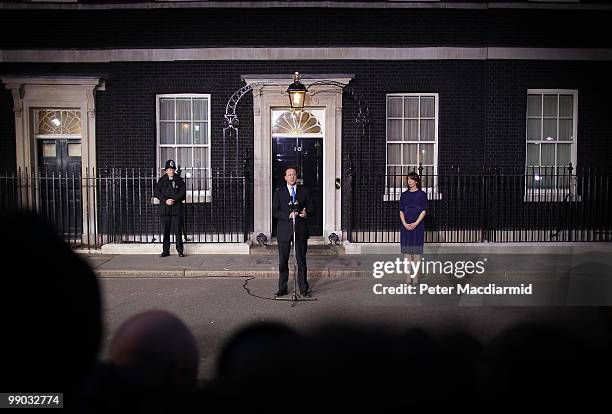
point(215, 308)
point(218, 265)
point(218, 294)
point(567, 262)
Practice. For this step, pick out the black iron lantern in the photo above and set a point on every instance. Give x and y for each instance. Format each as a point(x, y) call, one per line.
point(297, 93)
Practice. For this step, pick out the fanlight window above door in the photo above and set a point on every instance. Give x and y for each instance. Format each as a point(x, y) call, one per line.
point(288, 122)
point(58, 122)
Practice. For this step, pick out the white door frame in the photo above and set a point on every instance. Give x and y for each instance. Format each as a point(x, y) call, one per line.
point(267, 97)
point(56, 92)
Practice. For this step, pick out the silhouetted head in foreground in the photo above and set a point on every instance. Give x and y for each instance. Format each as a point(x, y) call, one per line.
point(155, 350)
point(242, 355)
point(50, 309)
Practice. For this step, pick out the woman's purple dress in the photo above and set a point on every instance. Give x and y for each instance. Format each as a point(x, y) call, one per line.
point(412, 203)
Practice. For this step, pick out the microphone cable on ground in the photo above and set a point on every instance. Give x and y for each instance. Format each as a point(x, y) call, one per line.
point(244, 286)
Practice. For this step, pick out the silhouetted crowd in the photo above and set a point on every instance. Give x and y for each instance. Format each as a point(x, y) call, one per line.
point(53, 325)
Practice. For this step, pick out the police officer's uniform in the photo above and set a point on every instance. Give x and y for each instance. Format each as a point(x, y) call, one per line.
point(172, 216)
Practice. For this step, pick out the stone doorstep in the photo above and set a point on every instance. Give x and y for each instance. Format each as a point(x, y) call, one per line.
point(315, 250)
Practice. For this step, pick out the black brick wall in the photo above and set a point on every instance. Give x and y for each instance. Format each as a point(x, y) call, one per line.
point(323, 27)
point(507, 84)
point(7, 130)
point(482, 106)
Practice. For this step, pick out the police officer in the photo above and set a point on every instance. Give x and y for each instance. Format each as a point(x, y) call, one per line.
point(170, 190)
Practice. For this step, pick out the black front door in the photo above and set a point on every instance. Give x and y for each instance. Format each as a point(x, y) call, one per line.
point(59, 166)
point(307, 155)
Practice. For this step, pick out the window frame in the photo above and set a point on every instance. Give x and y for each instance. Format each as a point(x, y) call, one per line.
point(36, 119)
point(552, 194)
point(192, 196)
point(393, 194)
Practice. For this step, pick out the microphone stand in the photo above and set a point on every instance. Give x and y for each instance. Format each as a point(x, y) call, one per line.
point(293, 207)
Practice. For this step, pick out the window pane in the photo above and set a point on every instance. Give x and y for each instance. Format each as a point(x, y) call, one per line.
point(533, 154)
point(550, 129)
point(537, 176)
point(200, 132)
point(534, 130)
point(166, 133)
point(548, 154)
point(563, 179)
point(564, 154)
point(428, 130)
point(566, 129)
point(411, 107)
point(185, 159)
point(200, 109)
point(183, 109)
point(550, 105)
point(394, 156)
point(183, 133)
point(394, 178)
point(410, 154)
point(427, 107)
point(166, 154)
point(411, 130)
point(394, 107)
point(566, 106)
point(198, 155)
point(166, 109)
point(58, 122)
point(49, 149)
point(394, 130)
point(427, 177)
point(427, 154)
point(74, 149)
point(201, 157)
point(548, 178)
point(534, 105)
point(205, 158)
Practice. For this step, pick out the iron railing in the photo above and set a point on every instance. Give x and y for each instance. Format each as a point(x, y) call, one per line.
point(119, 205)
point(544, 204)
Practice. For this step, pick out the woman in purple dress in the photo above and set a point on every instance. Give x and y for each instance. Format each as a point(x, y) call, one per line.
point(413, 206)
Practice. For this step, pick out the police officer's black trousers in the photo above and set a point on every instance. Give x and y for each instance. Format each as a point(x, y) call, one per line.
point(174, 224)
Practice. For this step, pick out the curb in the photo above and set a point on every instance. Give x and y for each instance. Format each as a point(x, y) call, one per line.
point(191, 273)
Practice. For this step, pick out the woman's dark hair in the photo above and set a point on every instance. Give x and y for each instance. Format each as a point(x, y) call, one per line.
point(415, 177)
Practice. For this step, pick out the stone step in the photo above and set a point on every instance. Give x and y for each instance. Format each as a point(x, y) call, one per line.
point(313, 250)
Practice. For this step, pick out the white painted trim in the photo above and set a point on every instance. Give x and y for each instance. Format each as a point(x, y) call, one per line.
point(545, 195)
point(432, 191)
point(30, 93)
point(324, 97)
point(48, 92)
point(193, 196)
point(190, 248)
point(93, 82)
point(303, 53)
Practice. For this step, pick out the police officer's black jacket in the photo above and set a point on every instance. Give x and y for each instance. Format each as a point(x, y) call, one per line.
point(280, 211)
point(174, 189)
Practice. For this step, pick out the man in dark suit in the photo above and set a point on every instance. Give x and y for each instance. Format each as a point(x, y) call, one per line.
point(289, 201)
point(170, 190)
